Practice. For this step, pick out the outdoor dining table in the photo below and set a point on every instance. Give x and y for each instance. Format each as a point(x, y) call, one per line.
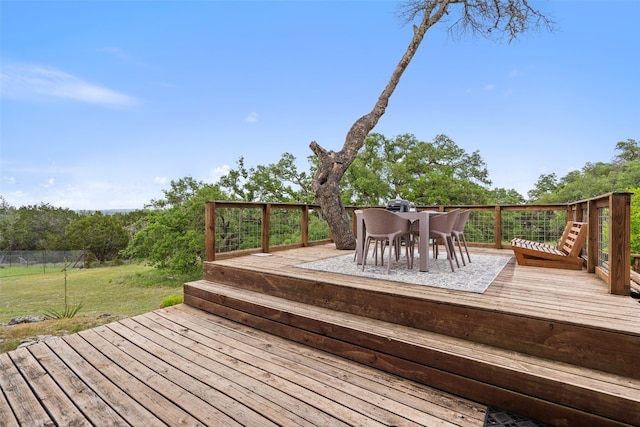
point(423, 245)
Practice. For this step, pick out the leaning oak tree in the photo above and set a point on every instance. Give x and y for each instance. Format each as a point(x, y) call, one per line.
point(491, 18)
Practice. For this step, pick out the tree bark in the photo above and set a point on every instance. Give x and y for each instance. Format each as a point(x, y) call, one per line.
point(510, 17)
point(332, 165)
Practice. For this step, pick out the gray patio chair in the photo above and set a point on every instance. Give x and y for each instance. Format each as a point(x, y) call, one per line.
point(382, 227)
point(458, 233)
point(440, 227)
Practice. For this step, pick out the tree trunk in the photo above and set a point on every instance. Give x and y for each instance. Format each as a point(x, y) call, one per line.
point(332, 165)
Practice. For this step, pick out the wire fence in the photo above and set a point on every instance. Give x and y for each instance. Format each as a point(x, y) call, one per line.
point(20, 263)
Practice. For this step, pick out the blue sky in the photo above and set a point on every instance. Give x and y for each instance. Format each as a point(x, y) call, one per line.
point(103, 103)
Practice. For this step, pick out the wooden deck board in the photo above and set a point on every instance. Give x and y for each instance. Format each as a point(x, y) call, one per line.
point(242, 387)
point(181, 366)
point(568, 296)
point(448, 407)
point(88, 402)
point(25, 406)
point(308, 372)
point(52, 397)
point(467, 359)
point(94, 377)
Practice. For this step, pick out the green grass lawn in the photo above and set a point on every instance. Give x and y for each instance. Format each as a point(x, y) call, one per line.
point(106, 294)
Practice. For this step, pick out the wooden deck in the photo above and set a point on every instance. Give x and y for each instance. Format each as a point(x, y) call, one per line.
point(261, 342)
point(549, 344)
point(183, 367)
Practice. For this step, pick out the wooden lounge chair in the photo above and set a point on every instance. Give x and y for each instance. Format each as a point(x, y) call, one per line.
point(565, 255)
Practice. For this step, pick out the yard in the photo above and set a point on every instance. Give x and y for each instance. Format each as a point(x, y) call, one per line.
point(103, 294)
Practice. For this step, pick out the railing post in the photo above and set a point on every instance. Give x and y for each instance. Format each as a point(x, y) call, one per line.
point(592, 236)
point(266, 226)
point(619, 243)
point(210, 231)
point(304, 224)
point(498, 226)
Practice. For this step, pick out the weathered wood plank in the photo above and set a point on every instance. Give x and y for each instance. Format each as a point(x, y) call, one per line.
point(167, 401)
point(26, 407)
point(471, 317)
point(6, 413)
point(94, 408)
point(161, 408)
point(163, 370)
point(558, 288)
point(371, 405)
point(421, 372)
point(126, 407)
point(207, 365)
point(334, 370)
point(59, 407)
point(274, 378)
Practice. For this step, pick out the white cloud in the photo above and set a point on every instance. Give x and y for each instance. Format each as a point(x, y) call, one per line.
point(219, 172)
point(49, 183)
point(252, 117)
point(162, 180)
point(489, 86)
point(11, 180)
point(28, 81)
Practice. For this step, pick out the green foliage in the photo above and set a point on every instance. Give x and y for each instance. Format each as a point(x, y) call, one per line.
point(33, 228)
point(171, 234)
point(172, 300)
point(275, 182)
point(502, 196)
point(108, 294)
point(593, 179)
point(68, 312)
point(427, 173)
point(102, 235)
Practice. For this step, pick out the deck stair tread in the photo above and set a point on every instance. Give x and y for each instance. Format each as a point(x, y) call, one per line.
point(181, 366)
point(582, 389)
point(576, 298)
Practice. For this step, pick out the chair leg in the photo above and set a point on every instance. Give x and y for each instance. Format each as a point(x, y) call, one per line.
point(464, 241)
point(453, 250)
point(413, 239)
point(407, 250)
point(367, 243)
point(457, 238)
point(391, 246)
point(448, 245)
point(383, 247)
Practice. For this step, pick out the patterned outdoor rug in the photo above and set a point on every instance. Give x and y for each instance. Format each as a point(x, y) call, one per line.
point(474, 277)
point(498, 418)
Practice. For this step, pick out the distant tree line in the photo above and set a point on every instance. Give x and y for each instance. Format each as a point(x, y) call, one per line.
point(169, 232)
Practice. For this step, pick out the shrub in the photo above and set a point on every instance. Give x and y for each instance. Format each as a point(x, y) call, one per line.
point(67, 313)
point(172, 300)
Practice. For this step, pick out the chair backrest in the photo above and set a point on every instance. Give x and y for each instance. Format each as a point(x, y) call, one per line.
point(573, 238)
point(382, 221)
point(444, 223)
point(461, 221)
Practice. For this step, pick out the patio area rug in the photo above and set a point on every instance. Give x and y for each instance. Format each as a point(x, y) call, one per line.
point(499, 418)
point(474, 277)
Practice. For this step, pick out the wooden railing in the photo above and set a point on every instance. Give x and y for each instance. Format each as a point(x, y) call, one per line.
point(609, 241)
point(241, 228)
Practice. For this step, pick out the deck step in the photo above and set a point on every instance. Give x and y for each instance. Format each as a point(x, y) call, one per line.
point(554, 392)
point(470, 318)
